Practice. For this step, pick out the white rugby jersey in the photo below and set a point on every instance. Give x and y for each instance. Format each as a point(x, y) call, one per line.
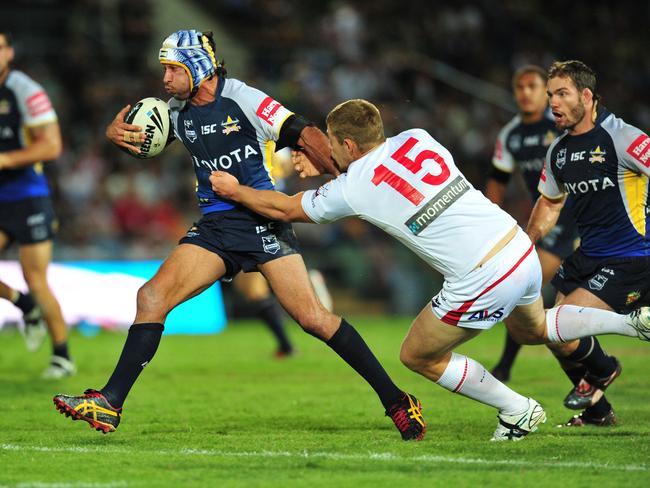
point(410, 187)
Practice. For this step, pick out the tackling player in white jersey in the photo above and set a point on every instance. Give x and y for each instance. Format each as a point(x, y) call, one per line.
point(409, 186)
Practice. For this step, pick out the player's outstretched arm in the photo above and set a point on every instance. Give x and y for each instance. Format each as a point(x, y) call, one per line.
point(125, 135)
point(269, 203)
point(544, 217)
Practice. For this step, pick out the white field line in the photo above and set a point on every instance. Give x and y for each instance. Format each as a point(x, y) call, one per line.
point(78, 484)
point(368, 456)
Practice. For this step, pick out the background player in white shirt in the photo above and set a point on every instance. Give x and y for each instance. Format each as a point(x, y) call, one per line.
point(409, 186)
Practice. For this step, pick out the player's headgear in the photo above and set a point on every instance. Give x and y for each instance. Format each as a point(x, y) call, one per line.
point(193, 51)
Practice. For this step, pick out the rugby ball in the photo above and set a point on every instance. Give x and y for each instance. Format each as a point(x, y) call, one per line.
point(152, 114)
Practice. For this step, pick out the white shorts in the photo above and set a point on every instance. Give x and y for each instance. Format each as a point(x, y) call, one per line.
point(489, 293)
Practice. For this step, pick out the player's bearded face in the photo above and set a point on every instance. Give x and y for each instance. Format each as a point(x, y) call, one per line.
point(577, 113)
point(176, 81)
point(566, 103)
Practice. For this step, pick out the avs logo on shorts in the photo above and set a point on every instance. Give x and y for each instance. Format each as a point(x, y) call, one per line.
point(487, 315)
point(270, 244)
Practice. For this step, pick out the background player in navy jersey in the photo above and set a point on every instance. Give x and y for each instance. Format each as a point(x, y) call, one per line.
point(521, 146)
point(30, 135)
point(603, 165)
point(227, 125)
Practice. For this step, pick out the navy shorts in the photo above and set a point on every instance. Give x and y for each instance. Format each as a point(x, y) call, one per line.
point(242, 239)
point(620, 282)
point(28, 221)
point(561, 240)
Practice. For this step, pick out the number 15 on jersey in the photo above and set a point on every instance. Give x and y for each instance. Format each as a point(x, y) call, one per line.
point(383, 174)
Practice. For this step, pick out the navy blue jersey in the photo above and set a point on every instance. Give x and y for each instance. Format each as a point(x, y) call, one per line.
point(235, 133)
point(522, 147)
point(605, 172)
point(23, 105)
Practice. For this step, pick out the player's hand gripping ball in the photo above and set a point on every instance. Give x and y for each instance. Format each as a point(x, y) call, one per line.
point(152, 114)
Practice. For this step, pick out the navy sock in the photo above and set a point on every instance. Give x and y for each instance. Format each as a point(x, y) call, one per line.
point(348, 344)
point(140, 346)
point(25, 302)
point(268, 311)
point(599, 409)
point(61, 350)
point(591, 355)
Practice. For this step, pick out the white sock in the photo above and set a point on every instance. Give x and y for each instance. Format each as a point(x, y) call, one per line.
point(466, 377)
point(568, 322)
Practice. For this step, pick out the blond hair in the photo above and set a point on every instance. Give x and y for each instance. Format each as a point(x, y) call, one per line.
point(358, 120)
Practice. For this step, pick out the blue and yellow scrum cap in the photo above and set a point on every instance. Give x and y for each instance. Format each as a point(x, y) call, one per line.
point(191, 50)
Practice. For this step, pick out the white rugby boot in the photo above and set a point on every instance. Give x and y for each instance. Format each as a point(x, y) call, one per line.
point(516, 427)
point(639, 319)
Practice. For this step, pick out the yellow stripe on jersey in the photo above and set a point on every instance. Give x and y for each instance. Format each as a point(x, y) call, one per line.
point(269, 150)
point(636, 195)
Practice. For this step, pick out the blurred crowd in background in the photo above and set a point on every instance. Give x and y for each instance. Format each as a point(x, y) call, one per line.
point(441, 66)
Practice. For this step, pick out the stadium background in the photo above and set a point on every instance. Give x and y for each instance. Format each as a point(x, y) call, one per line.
point(442, 66)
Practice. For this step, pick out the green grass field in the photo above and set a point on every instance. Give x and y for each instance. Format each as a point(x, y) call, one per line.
point(220, 411)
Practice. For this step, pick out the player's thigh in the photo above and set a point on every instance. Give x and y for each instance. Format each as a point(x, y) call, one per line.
point(34, 260)
point(527, 322)
point(429, 338)
point(550, 263)
point(584, 298)
point(252, 286)
point(186, 272)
